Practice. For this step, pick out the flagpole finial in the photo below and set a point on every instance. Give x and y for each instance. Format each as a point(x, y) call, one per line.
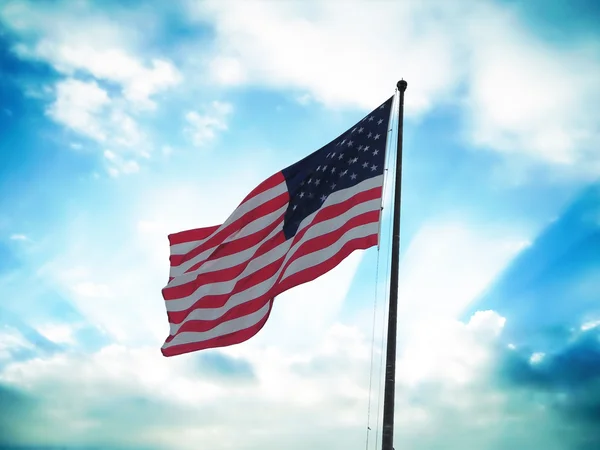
point(402, 85)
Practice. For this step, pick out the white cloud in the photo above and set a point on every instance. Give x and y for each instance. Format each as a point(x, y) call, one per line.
point(117, 165)
point(77, 105)
point(518, 94)
point(86, 108)
point(91, 290)
point(526, 96)
point(315, 398)
point(447, 265)
point(448, 351)
point(203, 128)
point(11, 339)
point(108, 80)
point(319, 50)
point(74, 38)
point(58, 333)
point(18, 237)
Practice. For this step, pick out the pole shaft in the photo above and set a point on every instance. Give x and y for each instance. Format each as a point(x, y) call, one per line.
point(387, 442)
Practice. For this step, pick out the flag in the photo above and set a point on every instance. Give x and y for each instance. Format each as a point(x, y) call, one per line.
point(292, 228)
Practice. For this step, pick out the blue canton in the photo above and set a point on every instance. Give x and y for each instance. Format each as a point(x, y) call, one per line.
point(354, 156)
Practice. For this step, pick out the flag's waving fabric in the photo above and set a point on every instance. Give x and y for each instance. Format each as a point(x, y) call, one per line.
point(295, 226)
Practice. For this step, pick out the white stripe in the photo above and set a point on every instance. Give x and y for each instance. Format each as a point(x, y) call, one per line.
point(224, 263)
point(257, 290)
point(253, 203)
point(252, 227)
point(225, 287)
point(333, 199)
point(308, 260)
point(231, 326)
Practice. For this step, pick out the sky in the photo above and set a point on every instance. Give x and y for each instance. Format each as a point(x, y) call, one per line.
point(122, 122)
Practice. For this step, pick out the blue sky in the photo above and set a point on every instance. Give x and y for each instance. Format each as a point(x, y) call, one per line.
point(121, 122)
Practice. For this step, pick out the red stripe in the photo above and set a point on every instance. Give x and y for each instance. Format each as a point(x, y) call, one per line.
point(177, 292)
point(310, 274)
point(337, 209)
point(220, 341)
point(326, 213)
point(239, 245)
point(311, 245)
point(315, 244)
point(219, 300)
point(242, 310)
point(248, 308)
point(196, 234)
point(221, 235)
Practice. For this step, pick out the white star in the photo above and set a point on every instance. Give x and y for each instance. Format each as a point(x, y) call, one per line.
point(370, 118)
point(322, 198)
point(376, 136)
point(368, 135)
point(318, 168)
point(317, 182)
point(333, 154)
point(373, 168)
point(360, 130)
point(350, 143)
point(365, 165)
point(379, 121)
point(341, 156)
point(333, 170)
point(353, 129)
point(343, 173)
point(374, 153)
point(353, 160)
point(301, 194)
point(360, 147)
point(342, 143)
point(294, 207)
point(353, 176)
point(367, 148)
point(309, 180)
point(381, 107)
point(333, 185)
point(324, 167)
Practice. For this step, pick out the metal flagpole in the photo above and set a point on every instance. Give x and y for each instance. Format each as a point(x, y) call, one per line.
point(387, 441)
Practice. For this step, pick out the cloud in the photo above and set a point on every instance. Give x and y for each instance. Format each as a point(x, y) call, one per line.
point(108, 76)
point(58, 333)
point(117, 165)
point(18, 237)
point(203, 128)
point(447, 265)
point(122, 396)
point(510, 86)
point(12, 342)
point(314, 398)
point(76, 106)
point(527, 96)
point(76, 38)
point(86, 108)
point(315, 53)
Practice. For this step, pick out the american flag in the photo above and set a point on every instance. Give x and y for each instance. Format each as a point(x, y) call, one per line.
point(292, 228)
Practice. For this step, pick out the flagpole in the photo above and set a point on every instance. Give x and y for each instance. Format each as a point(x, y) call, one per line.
point(387, 440)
